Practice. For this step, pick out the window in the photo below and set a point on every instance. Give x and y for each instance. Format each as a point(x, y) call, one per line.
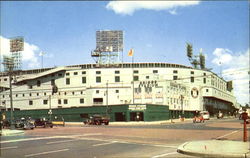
point(175, 77)
point(16, 95)
point(23, 95)
point(30, 102)
point(155, 71)
point(81, 100)
point(83, 72)
point(65, 101)
point(116, 91)
point(30, 86)
point(5, 79)
point(44, 94)
point(98, 79)
point(192, 72)
point(38, 83)
point(67, 74)
point(75, 73)
point(204, 74)
point(73, 93)
point(117, 78)
point(37, 94)
point(147, 77)
point(192, 79)
point(30, 95)
point(204, 80)
point(98, 100)
point(83, 79)
point(45, 102)
point(67, 81)
point(136, 71)
point(136, 78)
point(117, 72)
point(97, 91)
point(98, 72)
point(175, 71)
point(206, 90)
point(59, 75)
point(59, 101)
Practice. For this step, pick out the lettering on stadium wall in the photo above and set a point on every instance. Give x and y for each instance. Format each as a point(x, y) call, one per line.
point(137, 107)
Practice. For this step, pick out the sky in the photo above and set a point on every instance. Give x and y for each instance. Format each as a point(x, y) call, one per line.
point(157, 31)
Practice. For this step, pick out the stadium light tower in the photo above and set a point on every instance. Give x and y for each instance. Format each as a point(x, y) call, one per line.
point(109, 44)
point(13, 63)
point(9, 65)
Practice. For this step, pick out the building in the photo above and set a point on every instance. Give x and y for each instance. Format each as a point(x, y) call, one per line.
point(136, 86)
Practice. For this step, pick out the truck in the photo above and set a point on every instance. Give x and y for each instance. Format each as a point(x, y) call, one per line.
point(97, 120)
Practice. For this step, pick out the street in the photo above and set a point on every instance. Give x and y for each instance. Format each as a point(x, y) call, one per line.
point(117, 140)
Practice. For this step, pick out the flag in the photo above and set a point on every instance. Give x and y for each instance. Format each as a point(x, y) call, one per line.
point(131, 52)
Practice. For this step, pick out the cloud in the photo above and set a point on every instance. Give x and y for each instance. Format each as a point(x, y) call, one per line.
point(29, 55)
point(222, 56)
point(236, 68)
point(129, 7)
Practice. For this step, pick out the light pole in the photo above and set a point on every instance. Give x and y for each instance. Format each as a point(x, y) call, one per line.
point(9, 63)
point(107, 101)
point(182, 108)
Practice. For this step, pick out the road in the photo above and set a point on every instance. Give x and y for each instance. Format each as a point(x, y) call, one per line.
point(115, 141)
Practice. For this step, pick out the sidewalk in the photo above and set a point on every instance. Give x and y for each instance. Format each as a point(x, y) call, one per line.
point(131, 123)
point(216, 148)
point(9, 132)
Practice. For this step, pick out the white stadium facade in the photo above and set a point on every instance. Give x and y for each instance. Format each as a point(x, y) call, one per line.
point(181, 88)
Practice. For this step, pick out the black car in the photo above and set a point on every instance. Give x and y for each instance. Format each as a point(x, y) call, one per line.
point(97, 120)
point(44, 122)
point(24, 124)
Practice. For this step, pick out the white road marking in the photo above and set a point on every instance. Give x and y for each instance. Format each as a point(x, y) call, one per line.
point(51, 137)
point(47, 152)
point(105, 143)
point(30, 139)
point(227, 134)
point(173, 153)
point(62, 141)
point(164, 146)
point(10, 147)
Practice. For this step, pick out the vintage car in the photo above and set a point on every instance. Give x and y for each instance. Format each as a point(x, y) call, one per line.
point(198, 119)
point(24, 123)
point(43, 122)
point(205, 114)
point(97, 120)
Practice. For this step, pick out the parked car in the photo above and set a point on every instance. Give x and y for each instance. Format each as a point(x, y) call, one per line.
point(24, 124)
point(44, 122)
point(5, 123)
point(198, 119)
point(97, 120)
point(205, 115)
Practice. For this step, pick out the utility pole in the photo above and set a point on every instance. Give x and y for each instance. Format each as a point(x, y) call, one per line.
point(182, 97)
point(107, 97)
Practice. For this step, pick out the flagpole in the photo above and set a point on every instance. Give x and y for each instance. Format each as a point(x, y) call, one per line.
point(133, 79)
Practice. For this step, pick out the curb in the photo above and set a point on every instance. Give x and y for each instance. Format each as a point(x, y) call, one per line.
point(181, 149)
point(132, 123)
